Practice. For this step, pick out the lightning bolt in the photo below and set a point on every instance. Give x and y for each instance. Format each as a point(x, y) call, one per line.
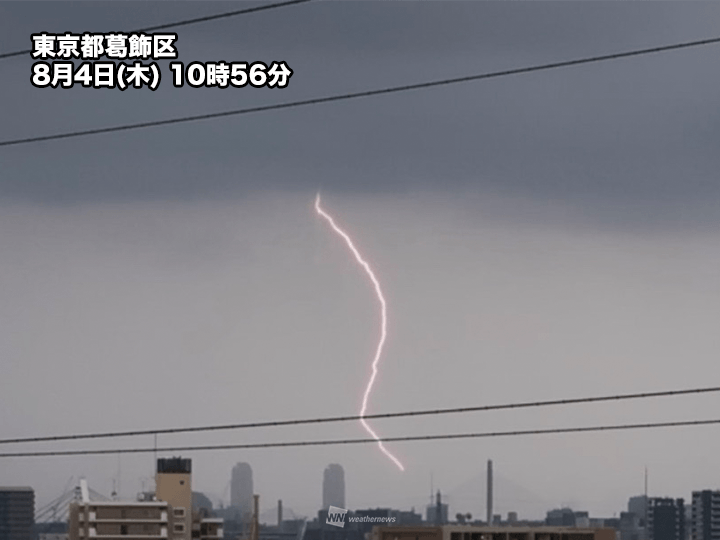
point(383, 328)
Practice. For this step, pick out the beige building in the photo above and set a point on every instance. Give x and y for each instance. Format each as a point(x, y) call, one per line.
point(166, 516)
point(469, 532)
point(113, 520)
point(173, 484)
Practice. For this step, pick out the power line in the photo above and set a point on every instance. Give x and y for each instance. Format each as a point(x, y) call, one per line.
point(188, 22)
point(450, 436)
point(331, 419)
point(362, 94)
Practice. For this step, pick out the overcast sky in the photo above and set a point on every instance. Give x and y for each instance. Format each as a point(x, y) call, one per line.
point(538, 236)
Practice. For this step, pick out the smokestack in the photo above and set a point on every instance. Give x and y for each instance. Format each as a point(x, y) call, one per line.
point(255, 530)
point(280, 513)
point(489, 492)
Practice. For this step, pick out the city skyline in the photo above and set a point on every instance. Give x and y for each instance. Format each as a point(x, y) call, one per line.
point(175, 506)
point(545, 235)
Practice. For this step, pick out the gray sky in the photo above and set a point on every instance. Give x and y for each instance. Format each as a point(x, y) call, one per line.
point(537, 236)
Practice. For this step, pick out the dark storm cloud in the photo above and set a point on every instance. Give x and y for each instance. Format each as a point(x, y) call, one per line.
point(630, 139)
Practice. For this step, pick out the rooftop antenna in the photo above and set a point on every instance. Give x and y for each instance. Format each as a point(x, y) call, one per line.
point(431, 488)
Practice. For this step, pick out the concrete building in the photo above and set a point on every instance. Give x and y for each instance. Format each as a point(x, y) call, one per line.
point(437, 513)
point(111, 520)
point(638, 506)
point(560, 517)
point(705, 515)
point(630, 528)
point(17, 513)
point(633, 524)
point(165, 515)
point(665, 518)
point(241, 491)
point(467, 532)
point(173, 484)
point(333, 486)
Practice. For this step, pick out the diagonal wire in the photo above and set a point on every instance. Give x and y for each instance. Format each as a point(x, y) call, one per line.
point(333, 442)
point(332, 419)
point(188, 22)
point(356, 95)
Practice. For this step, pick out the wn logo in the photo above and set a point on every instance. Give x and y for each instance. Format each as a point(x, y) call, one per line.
point(336, 516)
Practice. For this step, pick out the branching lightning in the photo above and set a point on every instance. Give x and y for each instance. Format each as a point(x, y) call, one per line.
point(383, 328)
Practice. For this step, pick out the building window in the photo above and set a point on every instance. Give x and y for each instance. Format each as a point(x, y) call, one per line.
point(179, 512)
point(179, 527)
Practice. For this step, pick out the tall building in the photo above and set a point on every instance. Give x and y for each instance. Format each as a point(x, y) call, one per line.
point(17, 513)
point(173, 485)
point(241, 490)
point(334, 486)
point(665, 518)
point(705, 515)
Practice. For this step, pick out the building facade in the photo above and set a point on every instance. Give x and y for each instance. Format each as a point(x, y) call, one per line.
point(563, 517)
point(165, 515)
point(115, 520)
point(466, 532)
point(665, 518)
point(17, 513)
point(334, 486)
point(705, 515)
point(173, 485)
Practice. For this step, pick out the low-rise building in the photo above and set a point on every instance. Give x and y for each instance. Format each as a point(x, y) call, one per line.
point(469, 532)
point(165, 515)
point(113, 520)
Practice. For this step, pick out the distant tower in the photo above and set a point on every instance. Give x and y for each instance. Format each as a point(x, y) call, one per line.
point(334, 486)
point(241, 490)
point(489, 492)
